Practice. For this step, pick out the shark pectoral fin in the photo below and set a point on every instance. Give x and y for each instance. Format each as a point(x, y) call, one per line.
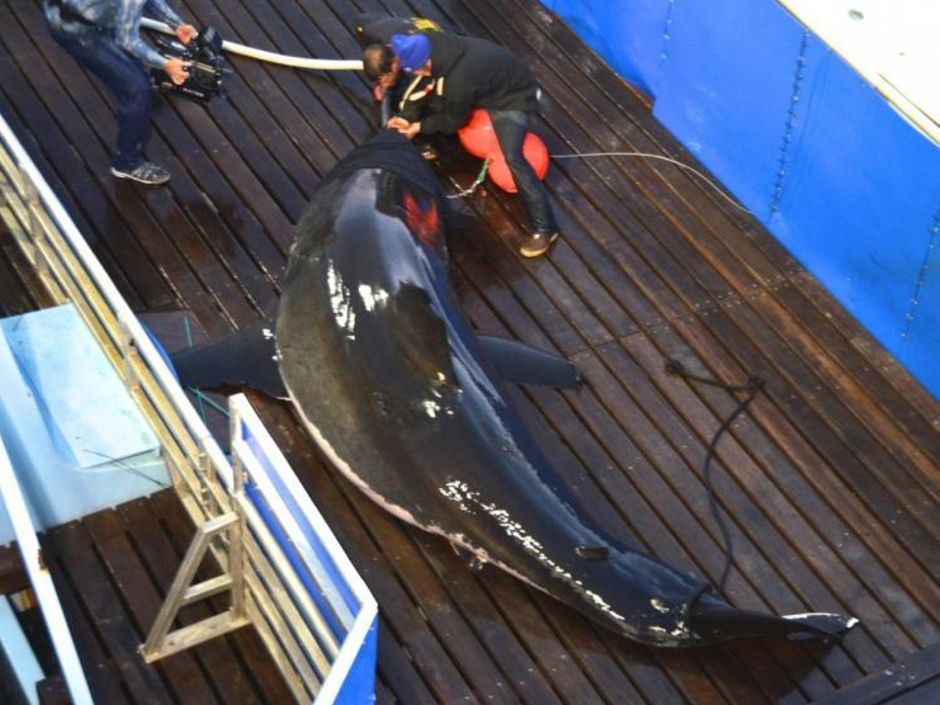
point(246, 358)
point(523, 364)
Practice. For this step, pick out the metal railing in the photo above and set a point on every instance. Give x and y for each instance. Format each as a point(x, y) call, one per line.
point(302, 630)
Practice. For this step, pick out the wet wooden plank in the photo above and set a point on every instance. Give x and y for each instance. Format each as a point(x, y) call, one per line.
point(13, 576)
point(853, 451)
point(901, 429)
point(104, 679)
point(648, 524)
point(52, 691)
point(183, 672)
point(805, 506)
point(94, 591)
point(116, 252)
point(230, 675)
point(184, 219)
point(125, 198)
point(814, 469)
point(915, 679)
point(577, 439)
point(912, 409)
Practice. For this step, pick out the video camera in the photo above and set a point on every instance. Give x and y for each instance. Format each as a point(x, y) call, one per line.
point(206, 67)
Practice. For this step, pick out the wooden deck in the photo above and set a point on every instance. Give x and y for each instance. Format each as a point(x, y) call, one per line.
point(111, 572)
point(831, 480)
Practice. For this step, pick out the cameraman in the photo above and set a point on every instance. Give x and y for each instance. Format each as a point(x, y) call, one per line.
point(103, 36)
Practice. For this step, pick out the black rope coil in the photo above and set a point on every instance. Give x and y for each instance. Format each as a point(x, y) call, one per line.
point(753, 385)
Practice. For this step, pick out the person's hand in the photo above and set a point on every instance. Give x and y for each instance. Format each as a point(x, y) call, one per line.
point(186, 33)
point(378, 92)
point(412, 130)
point(176, 70)
point(408, 129)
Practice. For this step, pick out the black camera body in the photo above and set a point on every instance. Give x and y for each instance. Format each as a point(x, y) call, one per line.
point(206, 67)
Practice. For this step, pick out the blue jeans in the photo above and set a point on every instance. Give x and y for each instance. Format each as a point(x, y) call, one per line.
point(127, 81)
point(510, 127)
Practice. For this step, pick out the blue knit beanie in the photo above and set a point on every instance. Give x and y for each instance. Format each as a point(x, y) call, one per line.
point(412, 51)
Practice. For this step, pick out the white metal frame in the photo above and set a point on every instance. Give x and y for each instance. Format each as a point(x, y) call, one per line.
point(357, 625)
point(306, 653)
point(42, 582)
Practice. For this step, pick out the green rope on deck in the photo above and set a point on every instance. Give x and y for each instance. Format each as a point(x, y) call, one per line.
point(201, 397)
point(189, 343)
point(472, 187)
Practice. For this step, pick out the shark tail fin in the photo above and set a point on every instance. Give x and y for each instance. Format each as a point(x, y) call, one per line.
point(714, 623)
point(821, 624)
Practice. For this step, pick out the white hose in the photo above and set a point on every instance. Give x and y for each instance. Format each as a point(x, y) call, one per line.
point(298, 62)
point(718, 190)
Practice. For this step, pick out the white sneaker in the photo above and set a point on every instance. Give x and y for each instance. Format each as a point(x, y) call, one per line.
point(147, 173)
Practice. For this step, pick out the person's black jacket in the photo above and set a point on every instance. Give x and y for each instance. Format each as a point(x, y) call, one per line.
point(474, 73)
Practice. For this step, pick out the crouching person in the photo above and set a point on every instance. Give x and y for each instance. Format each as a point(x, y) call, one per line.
point(409, 96)
point(473, 73)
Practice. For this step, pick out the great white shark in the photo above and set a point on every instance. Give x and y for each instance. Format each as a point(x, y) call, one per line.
point(371, 347)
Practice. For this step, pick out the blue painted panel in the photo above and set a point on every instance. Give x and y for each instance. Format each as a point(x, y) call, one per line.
point(726, 91)
point(920, 348)
point(325, 561)
point(860, 201)
point(294, 558)
point(632, 37)
point(359, 686)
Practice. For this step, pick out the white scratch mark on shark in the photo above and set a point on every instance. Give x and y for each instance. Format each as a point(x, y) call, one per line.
point(657, 605)
point(460, 493)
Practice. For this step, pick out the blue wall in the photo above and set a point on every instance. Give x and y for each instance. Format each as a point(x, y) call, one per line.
point(803, 141)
